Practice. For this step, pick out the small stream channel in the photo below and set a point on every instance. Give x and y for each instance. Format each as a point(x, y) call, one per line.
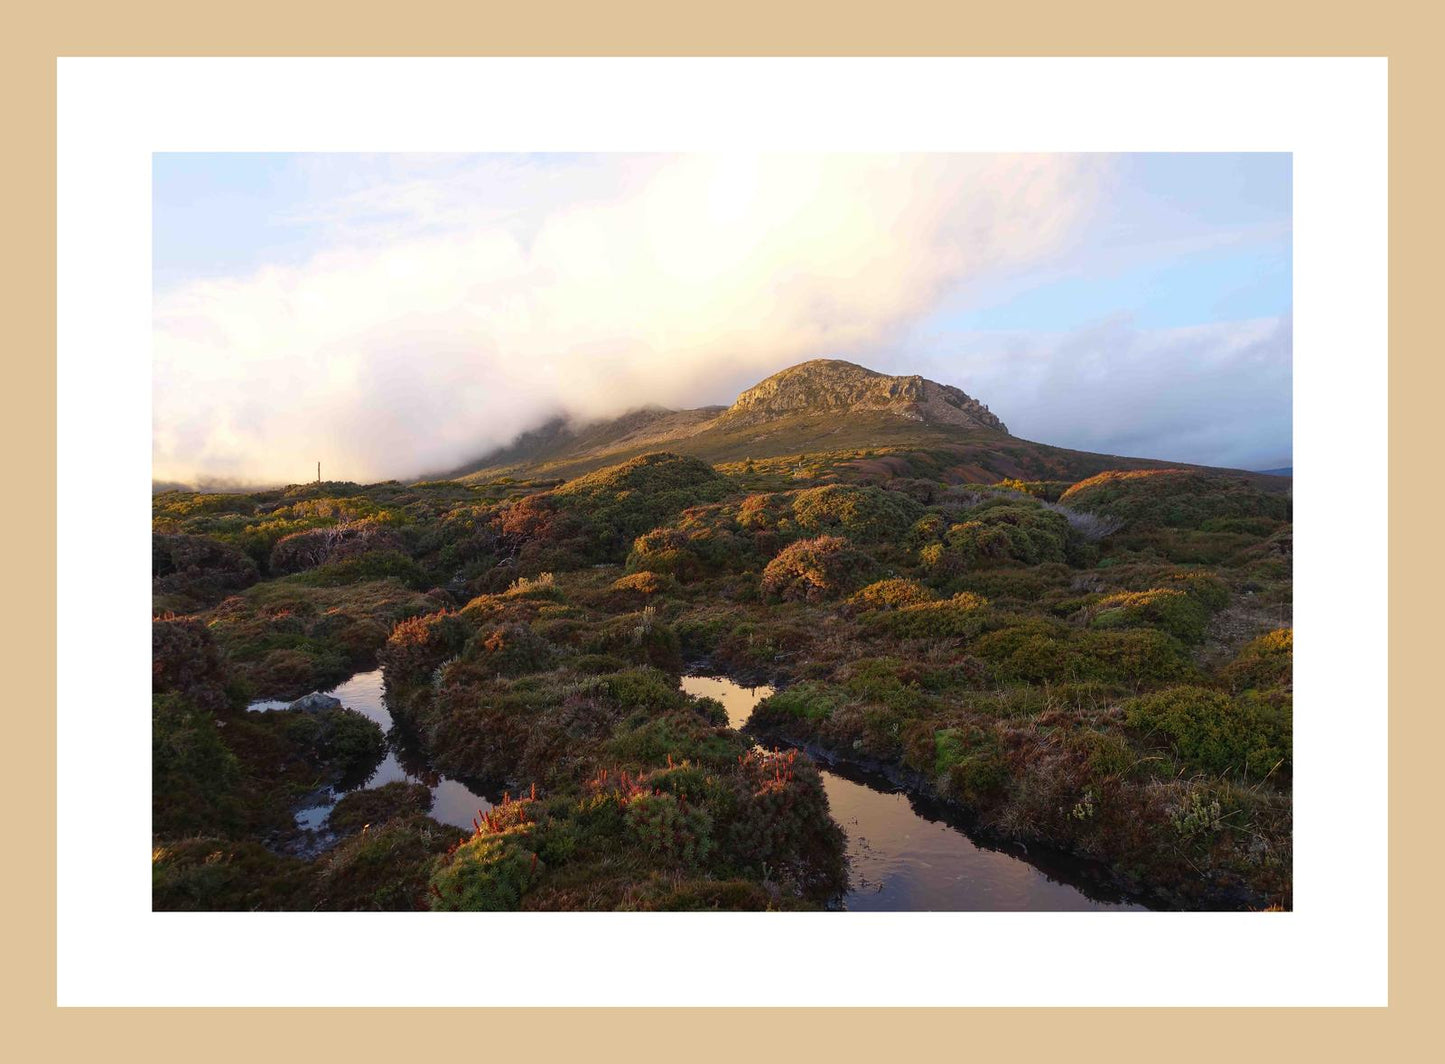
point(906, 853)
point(453, 802)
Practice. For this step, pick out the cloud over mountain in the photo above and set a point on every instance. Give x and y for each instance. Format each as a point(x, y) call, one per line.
point(434, 324)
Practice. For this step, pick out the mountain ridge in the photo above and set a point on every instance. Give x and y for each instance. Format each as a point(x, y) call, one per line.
point(822, 407)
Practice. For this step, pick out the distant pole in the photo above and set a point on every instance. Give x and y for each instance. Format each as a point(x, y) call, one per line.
point(318, 472)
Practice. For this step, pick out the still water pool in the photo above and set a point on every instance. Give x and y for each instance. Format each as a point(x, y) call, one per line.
point(453, 802)
point(904, 853)
point(909, 854)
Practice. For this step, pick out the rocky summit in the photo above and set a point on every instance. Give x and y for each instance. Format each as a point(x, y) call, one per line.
point(834, 386)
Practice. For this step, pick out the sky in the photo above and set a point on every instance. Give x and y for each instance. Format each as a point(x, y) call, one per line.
point(395, 315)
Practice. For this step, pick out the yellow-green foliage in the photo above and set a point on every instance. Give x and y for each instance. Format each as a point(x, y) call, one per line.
point(644, 582)
point(860, 514)
point(621, 502)
point(701, 541)
point(1070, 691)
point(806, 700)
point(1039, 651)
point(1167, 609)
point(668, 827)
point(286, 638)
point(1211, 731)
point(814, 569)
point(885, 681)
point(542, 586)
point(968, 764)
point(891, 594)
point(1000, 533)
point(1178, 498)
point(487, 873)
point(1049, 490)
point(1264, 662)
point(960, 616)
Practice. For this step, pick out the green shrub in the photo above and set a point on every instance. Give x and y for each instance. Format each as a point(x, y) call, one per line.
point(373, 565)
point(1038, 651)
point(644, 688)
point(342, 739)
point(332, 543)
point(510, 650)
point(206, 874)
point(999, 533)
point(198, 570)
point(1106, 755)
point(891, 594)
point(1264, 662)
point(887, 681)
point(186, 661)
point(961, 617)
point(387, 866)
point(805, 701)
point(487, 873)
point(968, 764)
point(668, 827)
point(1210, 731)
point(1176, 498)
point(377, 805)
point(193, 773)
point(1135, 658)
point(860, 514)
point(814, 569)
point(780, 824)
point(597, 516)
point(1167, 609)
point(417, 646)
point(640, 638)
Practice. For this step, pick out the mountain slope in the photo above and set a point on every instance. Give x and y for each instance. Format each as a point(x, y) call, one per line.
point(826, 409)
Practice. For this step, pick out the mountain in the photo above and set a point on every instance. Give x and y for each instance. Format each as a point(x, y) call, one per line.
point(879, 425)
point(828, 386)
point(631, 433)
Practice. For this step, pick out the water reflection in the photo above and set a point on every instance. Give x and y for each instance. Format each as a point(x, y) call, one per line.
point(908, 854)
point(453, 802)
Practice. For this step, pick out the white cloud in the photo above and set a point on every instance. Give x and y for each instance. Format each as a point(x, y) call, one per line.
point(437, 325)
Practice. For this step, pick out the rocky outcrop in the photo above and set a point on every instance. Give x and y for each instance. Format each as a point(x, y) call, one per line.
point(316, 702)
point(829, 386)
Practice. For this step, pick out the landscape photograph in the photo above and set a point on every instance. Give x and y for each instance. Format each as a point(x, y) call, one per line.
point(743, 532)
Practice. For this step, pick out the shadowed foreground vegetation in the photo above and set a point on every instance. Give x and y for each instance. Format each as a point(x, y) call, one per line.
point(1099, 667)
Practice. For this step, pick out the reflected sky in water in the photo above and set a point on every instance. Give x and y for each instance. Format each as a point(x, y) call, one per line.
point(903, 859)
point(452, 801)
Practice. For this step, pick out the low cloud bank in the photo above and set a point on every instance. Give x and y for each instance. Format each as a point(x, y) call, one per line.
point(677, 282)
